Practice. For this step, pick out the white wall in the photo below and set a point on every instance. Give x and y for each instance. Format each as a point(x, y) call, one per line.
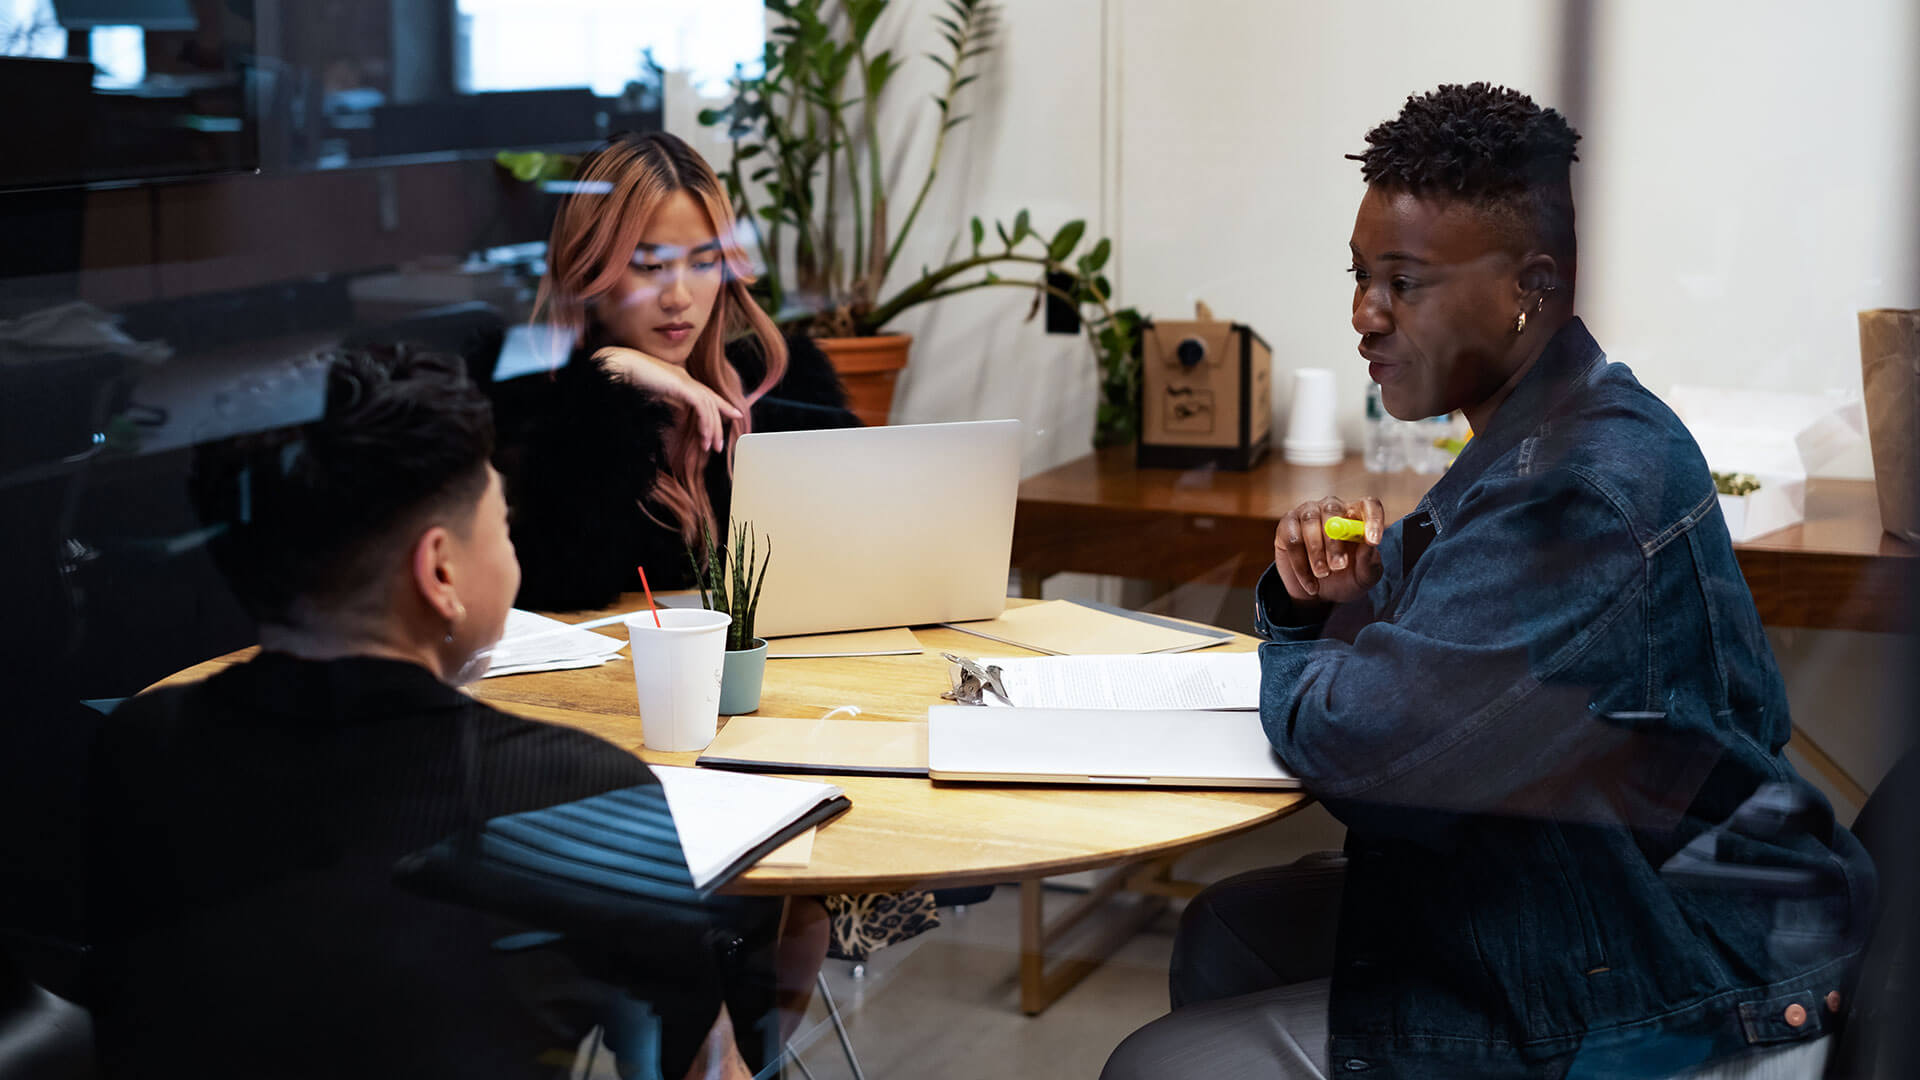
point(1750, 179)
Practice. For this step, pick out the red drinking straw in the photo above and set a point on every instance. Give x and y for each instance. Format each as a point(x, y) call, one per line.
point(649, 591)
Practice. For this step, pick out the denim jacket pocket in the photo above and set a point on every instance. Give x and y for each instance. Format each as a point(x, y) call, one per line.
point(1580, 905)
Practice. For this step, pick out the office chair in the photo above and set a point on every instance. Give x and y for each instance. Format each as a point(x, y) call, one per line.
point(1879, 1038)
point(42, 1036)
point(839, 1030)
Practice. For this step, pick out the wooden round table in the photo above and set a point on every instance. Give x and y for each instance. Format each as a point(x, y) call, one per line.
point(911, 833)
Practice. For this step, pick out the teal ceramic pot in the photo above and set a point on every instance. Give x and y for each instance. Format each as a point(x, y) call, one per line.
point(740, 678)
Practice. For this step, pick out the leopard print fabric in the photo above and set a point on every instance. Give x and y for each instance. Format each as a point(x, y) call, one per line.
point(862, 924)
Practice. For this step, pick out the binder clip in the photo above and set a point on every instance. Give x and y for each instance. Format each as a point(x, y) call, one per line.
point(972, 681)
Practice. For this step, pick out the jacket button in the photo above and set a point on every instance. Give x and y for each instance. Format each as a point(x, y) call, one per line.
point(1796, 1014)
point(1356, 1064)
point(1833, 1001)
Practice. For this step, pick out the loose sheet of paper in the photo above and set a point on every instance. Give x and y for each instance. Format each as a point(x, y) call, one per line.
point(1211, 681)
point(794, 854)
point(536, 643)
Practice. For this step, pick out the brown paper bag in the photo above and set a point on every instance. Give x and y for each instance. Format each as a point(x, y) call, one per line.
point(1890, 374)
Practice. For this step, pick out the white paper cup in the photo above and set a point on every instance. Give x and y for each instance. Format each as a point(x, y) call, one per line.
point(676, 672)
point(1313, 427)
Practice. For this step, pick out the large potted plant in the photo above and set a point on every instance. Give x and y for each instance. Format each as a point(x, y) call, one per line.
point(807, 173)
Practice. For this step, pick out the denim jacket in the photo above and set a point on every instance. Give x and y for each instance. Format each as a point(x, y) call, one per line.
point(1559, 684)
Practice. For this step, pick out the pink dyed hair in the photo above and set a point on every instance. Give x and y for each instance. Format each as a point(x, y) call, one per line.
point(621, 186)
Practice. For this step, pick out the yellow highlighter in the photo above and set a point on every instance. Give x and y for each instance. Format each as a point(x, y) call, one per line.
point(1340, 528)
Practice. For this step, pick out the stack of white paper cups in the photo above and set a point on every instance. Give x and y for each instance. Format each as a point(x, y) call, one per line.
point(1313, 432)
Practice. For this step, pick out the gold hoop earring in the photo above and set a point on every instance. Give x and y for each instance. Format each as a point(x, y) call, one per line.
point(1520, 324)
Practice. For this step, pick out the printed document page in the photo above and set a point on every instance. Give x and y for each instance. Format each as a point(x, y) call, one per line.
point(1181, 681)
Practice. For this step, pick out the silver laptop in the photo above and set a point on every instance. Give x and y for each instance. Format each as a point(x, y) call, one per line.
point(1102, 746)
point(881, 526)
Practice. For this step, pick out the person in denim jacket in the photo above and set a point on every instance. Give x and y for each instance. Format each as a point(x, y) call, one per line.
point(1542, 703)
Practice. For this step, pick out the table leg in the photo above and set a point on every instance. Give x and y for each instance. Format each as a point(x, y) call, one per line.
point(1031, 581)
point(1040, 986)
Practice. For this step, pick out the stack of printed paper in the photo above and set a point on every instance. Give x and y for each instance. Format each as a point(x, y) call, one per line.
point(537, 643)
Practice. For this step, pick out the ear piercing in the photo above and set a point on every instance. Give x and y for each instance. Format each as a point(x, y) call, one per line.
point(1520, 324)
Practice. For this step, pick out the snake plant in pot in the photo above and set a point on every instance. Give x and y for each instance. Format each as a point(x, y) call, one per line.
point(729, 578)
point(809, 177)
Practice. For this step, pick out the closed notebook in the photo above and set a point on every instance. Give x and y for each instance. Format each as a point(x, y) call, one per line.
point(788, 745)
point(1066, 628)
point(898, 641)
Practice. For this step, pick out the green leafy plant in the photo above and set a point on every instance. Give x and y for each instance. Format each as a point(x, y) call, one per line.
point(729, 579)
point(535, 166)
point(1116, 420)
point(806, 172)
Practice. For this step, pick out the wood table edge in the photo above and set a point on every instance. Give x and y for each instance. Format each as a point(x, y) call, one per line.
point(759, 882)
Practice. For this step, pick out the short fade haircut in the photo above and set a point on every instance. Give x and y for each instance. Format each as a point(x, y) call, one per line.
point(306, 516)
point(1489, 146)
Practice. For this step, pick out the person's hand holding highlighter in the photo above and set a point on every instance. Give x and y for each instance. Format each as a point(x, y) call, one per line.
point(1327, 551)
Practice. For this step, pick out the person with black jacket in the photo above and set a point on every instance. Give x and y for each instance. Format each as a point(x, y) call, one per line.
point(624, 458)
point(250, 904)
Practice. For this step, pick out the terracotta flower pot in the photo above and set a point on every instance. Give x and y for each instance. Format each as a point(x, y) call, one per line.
point(868, 366)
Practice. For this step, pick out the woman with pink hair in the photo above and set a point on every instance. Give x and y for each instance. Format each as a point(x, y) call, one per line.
point(627, 458)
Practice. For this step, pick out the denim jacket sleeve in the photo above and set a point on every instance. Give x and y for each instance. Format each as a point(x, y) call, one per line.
point(1453, 698)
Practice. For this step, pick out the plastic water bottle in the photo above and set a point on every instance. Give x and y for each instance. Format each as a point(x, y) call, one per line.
point(1385, 444)
point(1423, 449)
